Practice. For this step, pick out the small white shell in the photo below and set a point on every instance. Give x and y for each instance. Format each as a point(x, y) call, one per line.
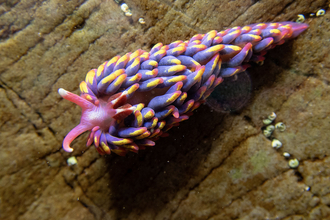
point(267, 121)
point(301, 18)
point(286, 154)
point(141, 21)
point(72, 161)
point(320, 12)
point(276, 144)
point(260, 63)
point(270, 128)
point(293, 163)
point(272, 116)
point(267, 133)
point(280, 126)
point(124, 7)
point(128, 13)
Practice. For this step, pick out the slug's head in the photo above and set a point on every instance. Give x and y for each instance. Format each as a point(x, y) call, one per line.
point(98, 115)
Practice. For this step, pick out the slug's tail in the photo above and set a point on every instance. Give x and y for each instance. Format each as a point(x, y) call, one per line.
point(297, 28)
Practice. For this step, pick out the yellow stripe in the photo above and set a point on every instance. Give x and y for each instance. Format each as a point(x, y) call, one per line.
point(122, 141)
point(179, 49)
point(234, 48)
point(215, 62)
point(137, 132)
point(199, 74)
point(234, 32)
point(135, 62)
point(256, 37)
point(177, 42)
point(162, 124)
point(153, 63)
point(150, 73)
point(89, 97)
point(133, 88)
point(177, 78)
point(123, 59)
point(175, 61)
point(113, 60)
point(90, 76)
point(134, 54)
point(164, 47)
point(200, 46)
point(105, 148)
point(100, 69)
point(275, 31)
point(83, 87)
point(145, 55)
point(149, 114)
point(216, 48)
point(246, 28)
point(197, 42)
point(140, 106)
point(176, 68)
point(158, 45)
point(154, 83)
point(173, 97)
point(162, 51)
point(261, 25)
point(189, 107)
point(143, 136)
point(139, 117)
point(134, 78)
point(95, 140)
point(211, 35)
point(112, 76)
point(169, 112)
point(183, 97)
point(154, 122)
point(120, 79)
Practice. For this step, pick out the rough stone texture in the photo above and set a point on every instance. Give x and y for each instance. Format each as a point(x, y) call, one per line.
point(214, 166)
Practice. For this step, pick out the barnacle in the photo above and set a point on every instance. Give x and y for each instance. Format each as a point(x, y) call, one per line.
point(293, 163)
point(267, 133)
point(72, 161)
point(270, 128)
point(301, 18)
point(320, 12)
point(267, 121)
point(124, 7)
point(286, 154)
point(276, 144)
point(272, 116)
point(141, 21)
point(280, 126)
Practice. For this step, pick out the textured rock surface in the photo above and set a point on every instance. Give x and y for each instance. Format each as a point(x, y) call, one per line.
point(214, 166)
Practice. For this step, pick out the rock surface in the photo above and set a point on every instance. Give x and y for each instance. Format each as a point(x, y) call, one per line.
point(213, 166)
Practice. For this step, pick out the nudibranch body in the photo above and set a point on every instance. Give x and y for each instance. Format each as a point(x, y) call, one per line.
point(132, 100)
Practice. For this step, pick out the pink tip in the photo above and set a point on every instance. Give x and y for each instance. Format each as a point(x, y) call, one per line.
point(298, 28)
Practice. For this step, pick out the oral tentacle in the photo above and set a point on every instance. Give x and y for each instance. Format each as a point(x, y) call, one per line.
point(83, 103)
point(75, 132)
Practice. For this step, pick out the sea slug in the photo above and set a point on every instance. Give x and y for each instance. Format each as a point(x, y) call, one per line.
point(130, 101)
